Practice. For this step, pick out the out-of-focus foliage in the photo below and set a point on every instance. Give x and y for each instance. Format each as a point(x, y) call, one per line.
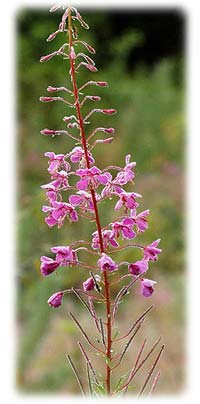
point(149, 125)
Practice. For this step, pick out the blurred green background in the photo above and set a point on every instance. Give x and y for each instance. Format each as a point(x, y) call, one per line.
point(141, 54)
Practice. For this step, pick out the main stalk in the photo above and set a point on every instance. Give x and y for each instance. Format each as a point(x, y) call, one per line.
point(98, 224)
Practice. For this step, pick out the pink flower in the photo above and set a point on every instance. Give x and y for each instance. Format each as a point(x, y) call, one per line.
point(108, 238)
point(106, 263)
point(92, 176)
point(128, 200)
point(147, 287)
point(51, 195)
point(55, 300)
point(77, 154)
point(151, 251)
point(82, 199)
point(48, 265)
point(111, 189)
point(89, 284)
point(56, 161)
point(138, 267)
point(126, 174)
point(61, 180)
point(140, 220)
point(125, 227)
point(65, 255)
point(57, 213)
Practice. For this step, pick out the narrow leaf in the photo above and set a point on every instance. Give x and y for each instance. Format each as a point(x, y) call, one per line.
point(76, 375)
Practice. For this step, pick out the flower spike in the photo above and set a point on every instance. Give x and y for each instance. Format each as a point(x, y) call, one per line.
point(76, 190)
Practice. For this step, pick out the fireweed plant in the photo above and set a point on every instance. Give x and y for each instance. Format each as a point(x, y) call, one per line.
point(93, 186)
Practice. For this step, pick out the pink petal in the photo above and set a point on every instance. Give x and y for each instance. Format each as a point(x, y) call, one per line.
point(82, 184)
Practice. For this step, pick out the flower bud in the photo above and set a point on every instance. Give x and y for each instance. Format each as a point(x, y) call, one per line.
point(51, 89)
point(147, 287)
point(55, 300)
point(47, 57)
point(90, 67)
point(49, 99)
point(108, 140)
point(52, 36)
point(102, 83)
point(88, 47)
point(109, 130)
point(54, 8)
point(48, 132)
point(82, 22)
point(73, 125)
point(109, 111)
point(89, 284)
point(95, 98)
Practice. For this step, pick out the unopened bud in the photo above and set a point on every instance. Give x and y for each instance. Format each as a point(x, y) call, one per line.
point(109, 130)
point(47, 57)
point(52, 36)
point(102, 83)
point(49, 99)
point(47, 132)
point(51, 89)
point(72, 125)
point(95, 98)
point(108, 140)
point(46, 99)
point(109, 111)
point(90, 67)
point(82, 22)
point(89, 47)
point(54, 8)
point(68, 118)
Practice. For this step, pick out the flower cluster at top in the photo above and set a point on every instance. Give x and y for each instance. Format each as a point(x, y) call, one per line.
point(77, 185)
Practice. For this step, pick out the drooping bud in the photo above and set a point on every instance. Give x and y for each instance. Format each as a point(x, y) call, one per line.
point(50, 99)
point(89, 284)
point(73, 125)
point(88, 47)
point(147, 288)
point(109, 111)
point(108, 140)
point(106, 263)
point(52, 36)
point(48, 132)
point(69, 118)
point(51, 89)
point(109, 130)
point(55, 300)
point(102, 83)
point(95, 98)
point(138, 267)
point(54, 8)
point(48, 57)
point(88, 66)
point(80, 19)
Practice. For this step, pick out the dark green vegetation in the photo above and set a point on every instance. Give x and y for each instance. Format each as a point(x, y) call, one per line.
point(149, 97)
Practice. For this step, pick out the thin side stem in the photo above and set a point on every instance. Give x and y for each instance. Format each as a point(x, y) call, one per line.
point(151, 371)
point(76, 375)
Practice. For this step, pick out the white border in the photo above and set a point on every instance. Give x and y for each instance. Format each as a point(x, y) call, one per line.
point(8, 188)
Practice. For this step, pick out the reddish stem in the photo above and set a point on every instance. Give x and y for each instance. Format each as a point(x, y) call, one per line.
point(98, 225)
